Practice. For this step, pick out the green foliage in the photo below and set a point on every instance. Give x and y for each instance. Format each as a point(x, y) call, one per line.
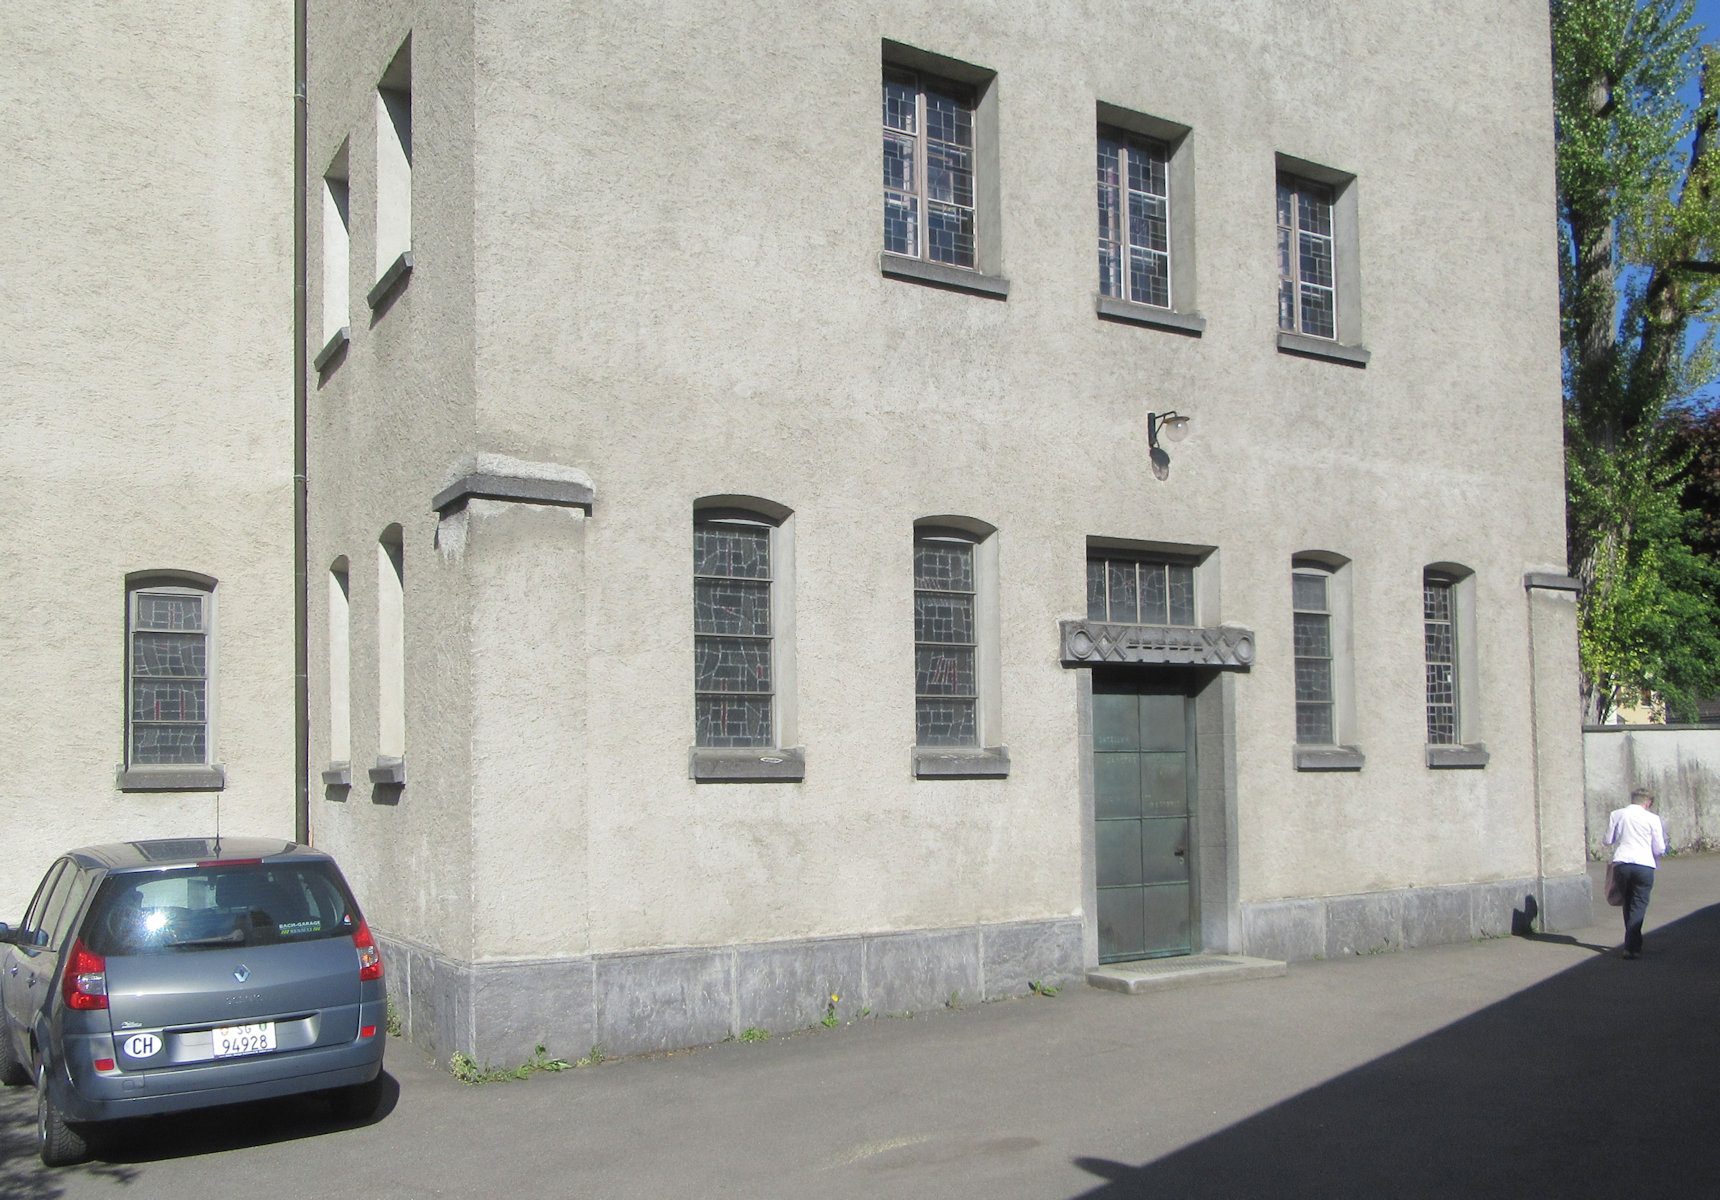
point(755, 1034)
point(1041, 989)
point(831, 1020)
point(1639, 226)
point(466, 1069)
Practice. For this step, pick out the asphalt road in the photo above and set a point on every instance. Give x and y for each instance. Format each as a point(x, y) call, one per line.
point(1516, 1067)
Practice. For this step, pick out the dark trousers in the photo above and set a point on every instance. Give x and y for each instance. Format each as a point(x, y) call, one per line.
point(1635, 881)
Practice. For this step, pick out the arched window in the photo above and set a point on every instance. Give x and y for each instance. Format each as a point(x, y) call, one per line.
point(743, 644)
point(170, 682)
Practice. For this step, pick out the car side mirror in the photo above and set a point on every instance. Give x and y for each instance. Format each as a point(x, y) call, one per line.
point(6, 934)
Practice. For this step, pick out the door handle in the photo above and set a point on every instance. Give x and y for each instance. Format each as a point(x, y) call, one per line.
point(1180, 852)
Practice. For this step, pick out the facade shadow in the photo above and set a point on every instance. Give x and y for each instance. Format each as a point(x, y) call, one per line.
point(1604, 1080)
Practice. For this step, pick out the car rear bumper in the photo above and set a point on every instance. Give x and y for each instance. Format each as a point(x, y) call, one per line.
point(112, 1096)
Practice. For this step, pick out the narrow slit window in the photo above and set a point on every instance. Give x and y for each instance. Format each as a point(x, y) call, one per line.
point(733, 677)
point(946, 642)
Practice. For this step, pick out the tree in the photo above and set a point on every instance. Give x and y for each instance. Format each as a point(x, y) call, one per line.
point(1638, 229)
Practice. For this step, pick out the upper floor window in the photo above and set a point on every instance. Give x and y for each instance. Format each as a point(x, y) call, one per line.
point(946, 641)
point(929, 197)
point(393, 177)
point(1134, 218)
point(336, 247)
point(1140, 591)
point(1307, 278)
point(734, 683)
point(168, 674)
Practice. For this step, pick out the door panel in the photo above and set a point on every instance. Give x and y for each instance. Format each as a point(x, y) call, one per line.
point(1143, 784)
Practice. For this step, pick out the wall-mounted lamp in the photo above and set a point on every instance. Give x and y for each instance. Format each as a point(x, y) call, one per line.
point(1174, 426)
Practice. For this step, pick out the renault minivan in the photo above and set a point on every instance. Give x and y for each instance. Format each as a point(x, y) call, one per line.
point(159, 976)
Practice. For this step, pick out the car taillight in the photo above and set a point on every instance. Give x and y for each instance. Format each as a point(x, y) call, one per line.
point(369, 954)
point(84, 985)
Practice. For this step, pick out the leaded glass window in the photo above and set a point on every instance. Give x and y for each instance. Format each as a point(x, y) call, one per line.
point(168, 678)
point(732, 673)
point(928, 168)
point(1140, 591)
point(945, 642)
point(1441, 637)
point(1307, 289)
point(1134, 219)
point(1313, 652)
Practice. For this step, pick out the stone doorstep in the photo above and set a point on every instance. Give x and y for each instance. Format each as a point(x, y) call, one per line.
point(1163, 974)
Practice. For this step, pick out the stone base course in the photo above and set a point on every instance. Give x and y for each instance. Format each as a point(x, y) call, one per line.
point(662, 1000)
point(1373, 922)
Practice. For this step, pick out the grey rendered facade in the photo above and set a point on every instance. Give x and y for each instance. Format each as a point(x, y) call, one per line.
point(648, 283)
point(730, 516)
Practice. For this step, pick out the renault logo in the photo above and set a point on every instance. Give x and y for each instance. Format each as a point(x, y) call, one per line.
point(243, 973)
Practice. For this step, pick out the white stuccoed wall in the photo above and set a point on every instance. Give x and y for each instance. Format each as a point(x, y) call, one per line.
point(646, 244)
point(146, 308)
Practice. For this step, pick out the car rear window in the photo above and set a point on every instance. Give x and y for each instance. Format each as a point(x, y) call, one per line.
point(218, 906)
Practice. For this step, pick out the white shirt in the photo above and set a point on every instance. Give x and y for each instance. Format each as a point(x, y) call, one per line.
point(1637, 833)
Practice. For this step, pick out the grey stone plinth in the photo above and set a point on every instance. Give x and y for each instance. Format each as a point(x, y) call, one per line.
point(787, 987)
point(1364, 924)
point(919, 971)
point(1570, 902)
point(1371, 922)
point(1017, 956)
point(520, 1006)
point(661, 1001)
point(1437, 916)
point(1289, 929)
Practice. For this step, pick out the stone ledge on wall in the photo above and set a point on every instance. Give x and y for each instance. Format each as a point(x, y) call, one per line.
point(633, 1003)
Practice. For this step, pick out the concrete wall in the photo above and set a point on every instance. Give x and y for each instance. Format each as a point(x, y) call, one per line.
point(146, 309)
point(646, 250)
point(1680, 764)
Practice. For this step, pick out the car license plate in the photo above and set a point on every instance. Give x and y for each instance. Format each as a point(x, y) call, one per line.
point(234, 1040)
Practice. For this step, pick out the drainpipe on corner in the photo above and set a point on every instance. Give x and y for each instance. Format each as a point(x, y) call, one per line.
point(301, 598)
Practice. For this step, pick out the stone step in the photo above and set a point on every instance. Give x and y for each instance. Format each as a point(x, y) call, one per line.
point(1189, 970)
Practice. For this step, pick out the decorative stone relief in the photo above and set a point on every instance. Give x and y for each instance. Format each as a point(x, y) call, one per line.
point(1088, 642)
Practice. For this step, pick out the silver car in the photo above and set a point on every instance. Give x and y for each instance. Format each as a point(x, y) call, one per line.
point(151, 977)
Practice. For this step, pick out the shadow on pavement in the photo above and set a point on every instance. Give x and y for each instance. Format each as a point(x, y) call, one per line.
point(1602, 1080)
point(117, 1147)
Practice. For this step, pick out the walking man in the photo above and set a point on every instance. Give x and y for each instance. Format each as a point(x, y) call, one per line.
point(1640, 838)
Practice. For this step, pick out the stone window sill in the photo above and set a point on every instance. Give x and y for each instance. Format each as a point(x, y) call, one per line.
point(1471, 756)
point(747, 764)
point(1302, 345)
point(957, 279)
point(210, 778)
point(1110, 308)
point(389, 772)
point(394, 277)
point(961, 762)
point(338, 775)
point(332, 350)
point(1329, 758)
